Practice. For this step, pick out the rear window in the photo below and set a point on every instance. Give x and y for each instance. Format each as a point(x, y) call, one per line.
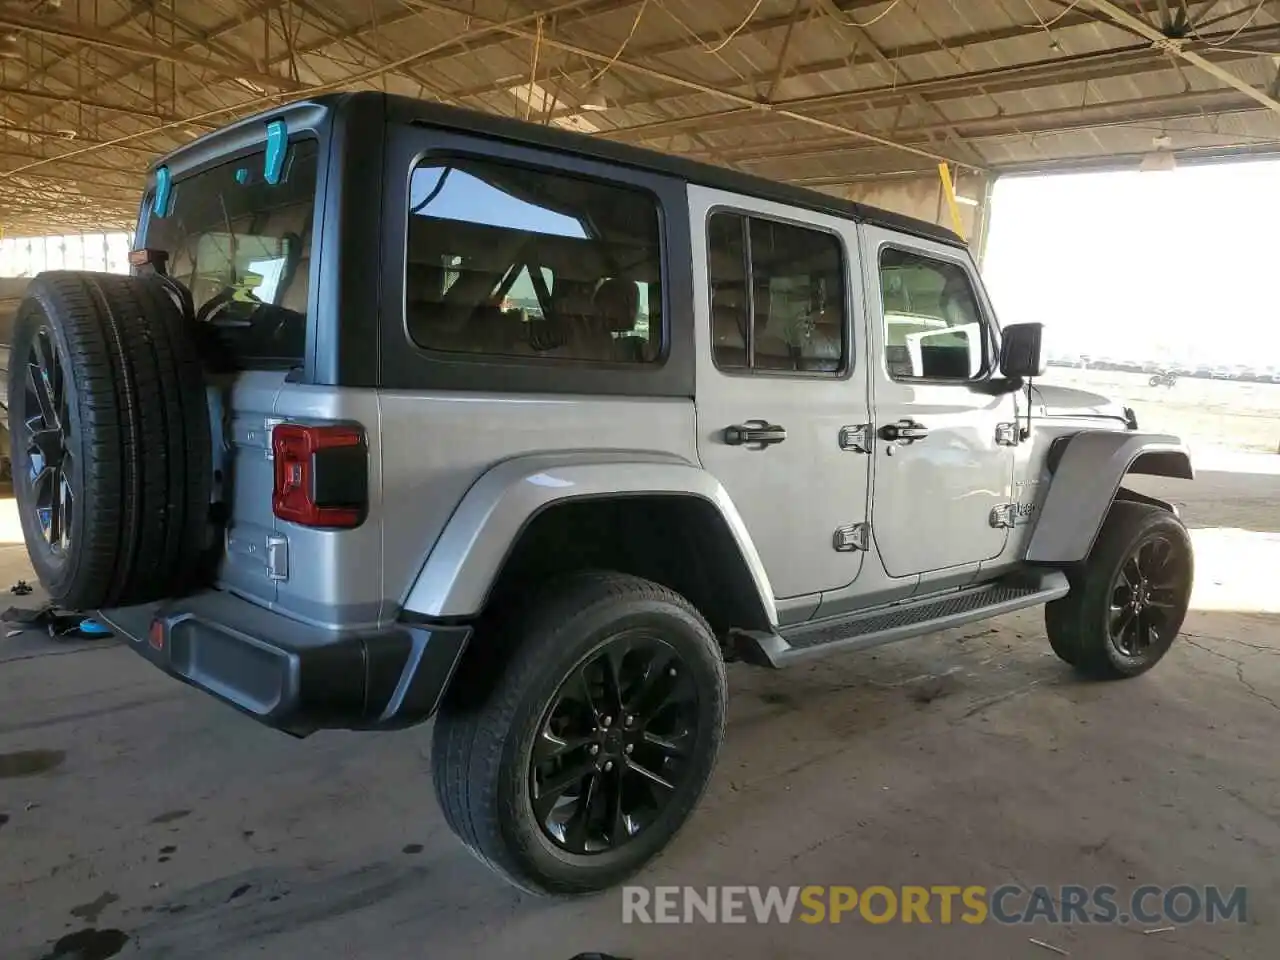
point(505, 260)
point(243, 247)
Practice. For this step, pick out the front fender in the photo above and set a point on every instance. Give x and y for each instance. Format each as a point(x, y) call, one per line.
point(465, 562)
point(1086, 480)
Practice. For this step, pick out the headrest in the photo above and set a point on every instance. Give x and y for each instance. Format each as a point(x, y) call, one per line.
point(423, 282)
point(572, 298)
point(616, 302)
point(727, 327)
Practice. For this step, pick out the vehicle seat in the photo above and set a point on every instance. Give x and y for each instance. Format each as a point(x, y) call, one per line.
point(292, 225)
point(728, 328)
point(957, 302)
point(617, 306)
point(897, 359)
point(571, 308)
point(822, 353)
point(294, 296)
point(424, 313)
point(772, 350)
point(297, 278)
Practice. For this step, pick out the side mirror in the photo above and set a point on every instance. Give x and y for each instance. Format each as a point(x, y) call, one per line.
point(1021, 356)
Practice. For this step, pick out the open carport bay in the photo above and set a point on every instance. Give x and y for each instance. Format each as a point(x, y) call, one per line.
point(141, 818)
point(129, 803)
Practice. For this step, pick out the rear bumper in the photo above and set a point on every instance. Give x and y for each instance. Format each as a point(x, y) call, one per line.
point(290, 675)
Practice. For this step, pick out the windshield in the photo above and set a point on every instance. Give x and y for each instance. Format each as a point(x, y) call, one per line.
point(243, 247)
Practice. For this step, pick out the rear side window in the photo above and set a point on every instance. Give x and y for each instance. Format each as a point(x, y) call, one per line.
point(933, 327)
point(511, 261)
point(243, 247)
point(777, 296)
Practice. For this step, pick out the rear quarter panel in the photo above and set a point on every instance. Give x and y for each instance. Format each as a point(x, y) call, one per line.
point(334, 576)
point(435, 445)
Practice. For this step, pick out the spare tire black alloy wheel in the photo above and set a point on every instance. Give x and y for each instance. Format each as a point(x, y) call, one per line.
point(45, 431)
point(613, 747)
point(110, 439)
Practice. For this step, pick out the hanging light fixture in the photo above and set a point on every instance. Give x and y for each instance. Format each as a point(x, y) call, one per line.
point(593, 99)
point(1161, 159)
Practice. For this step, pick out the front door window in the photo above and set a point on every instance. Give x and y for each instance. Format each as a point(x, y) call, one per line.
point(933, 327)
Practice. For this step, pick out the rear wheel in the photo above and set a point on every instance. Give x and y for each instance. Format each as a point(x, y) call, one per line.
point(588, 751)
point(1129, 598)
point(110, 439)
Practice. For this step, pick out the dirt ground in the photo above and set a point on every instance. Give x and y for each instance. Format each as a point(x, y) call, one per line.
point(1215, 413)
point(172, 827)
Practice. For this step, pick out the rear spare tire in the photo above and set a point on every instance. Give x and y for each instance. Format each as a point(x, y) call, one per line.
point(109, 438)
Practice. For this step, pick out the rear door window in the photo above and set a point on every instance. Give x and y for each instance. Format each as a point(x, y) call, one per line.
point(511, 261)
point(243, 247)
point(777, 296)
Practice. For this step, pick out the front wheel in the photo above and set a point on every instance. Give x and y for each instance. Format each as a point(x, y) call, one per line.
point(1128, 598)
point(579, 737)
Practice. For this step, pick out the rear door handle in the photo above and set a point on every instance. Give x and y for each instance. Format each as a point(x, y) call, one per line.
point(756, 434)
point(905, 431)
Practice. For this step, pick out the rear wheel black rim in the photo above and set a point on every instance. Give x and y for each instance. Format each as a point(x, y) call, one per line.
point(615, 747)
point(46, 424)
point(1148, 597)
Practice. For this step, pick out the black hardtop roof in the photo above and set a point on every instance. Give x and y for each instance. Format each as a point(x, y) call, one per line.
point(400, 109)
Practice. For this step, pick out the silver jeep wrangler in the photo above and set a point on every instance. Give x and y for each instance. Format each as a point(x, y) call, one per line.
point(411, 412)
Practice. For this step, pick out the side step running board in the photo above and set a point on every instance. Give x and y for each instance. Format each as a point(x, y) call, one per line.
point(898, 621)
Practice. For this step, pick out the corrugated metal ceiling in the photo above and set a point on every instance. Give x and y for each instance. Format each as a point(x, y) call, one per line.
point(803, 90)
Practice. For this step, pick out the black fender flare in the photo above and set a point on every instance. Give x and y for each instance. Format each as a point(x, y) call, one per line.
point(1087, 472)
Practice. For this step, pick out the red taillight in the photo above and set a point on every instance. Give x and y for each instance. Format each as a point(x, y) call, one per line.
point(321, 474)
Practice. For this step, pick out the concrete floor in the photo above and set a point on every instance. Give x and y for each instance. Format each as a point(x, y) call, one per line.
point(969, 757)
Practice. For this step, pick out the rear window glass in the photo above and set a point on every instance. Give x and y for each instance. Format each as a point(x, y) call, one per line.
point(511, 261)
point(243, 247)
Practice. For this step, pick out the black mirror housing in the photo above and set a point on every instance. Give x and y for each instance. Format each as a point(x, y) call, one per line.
point(1021, 351)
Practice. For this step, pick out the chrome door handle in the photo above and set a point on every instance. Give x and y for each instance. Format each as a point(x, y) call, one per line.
point(904, 431)
point(756, 434)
